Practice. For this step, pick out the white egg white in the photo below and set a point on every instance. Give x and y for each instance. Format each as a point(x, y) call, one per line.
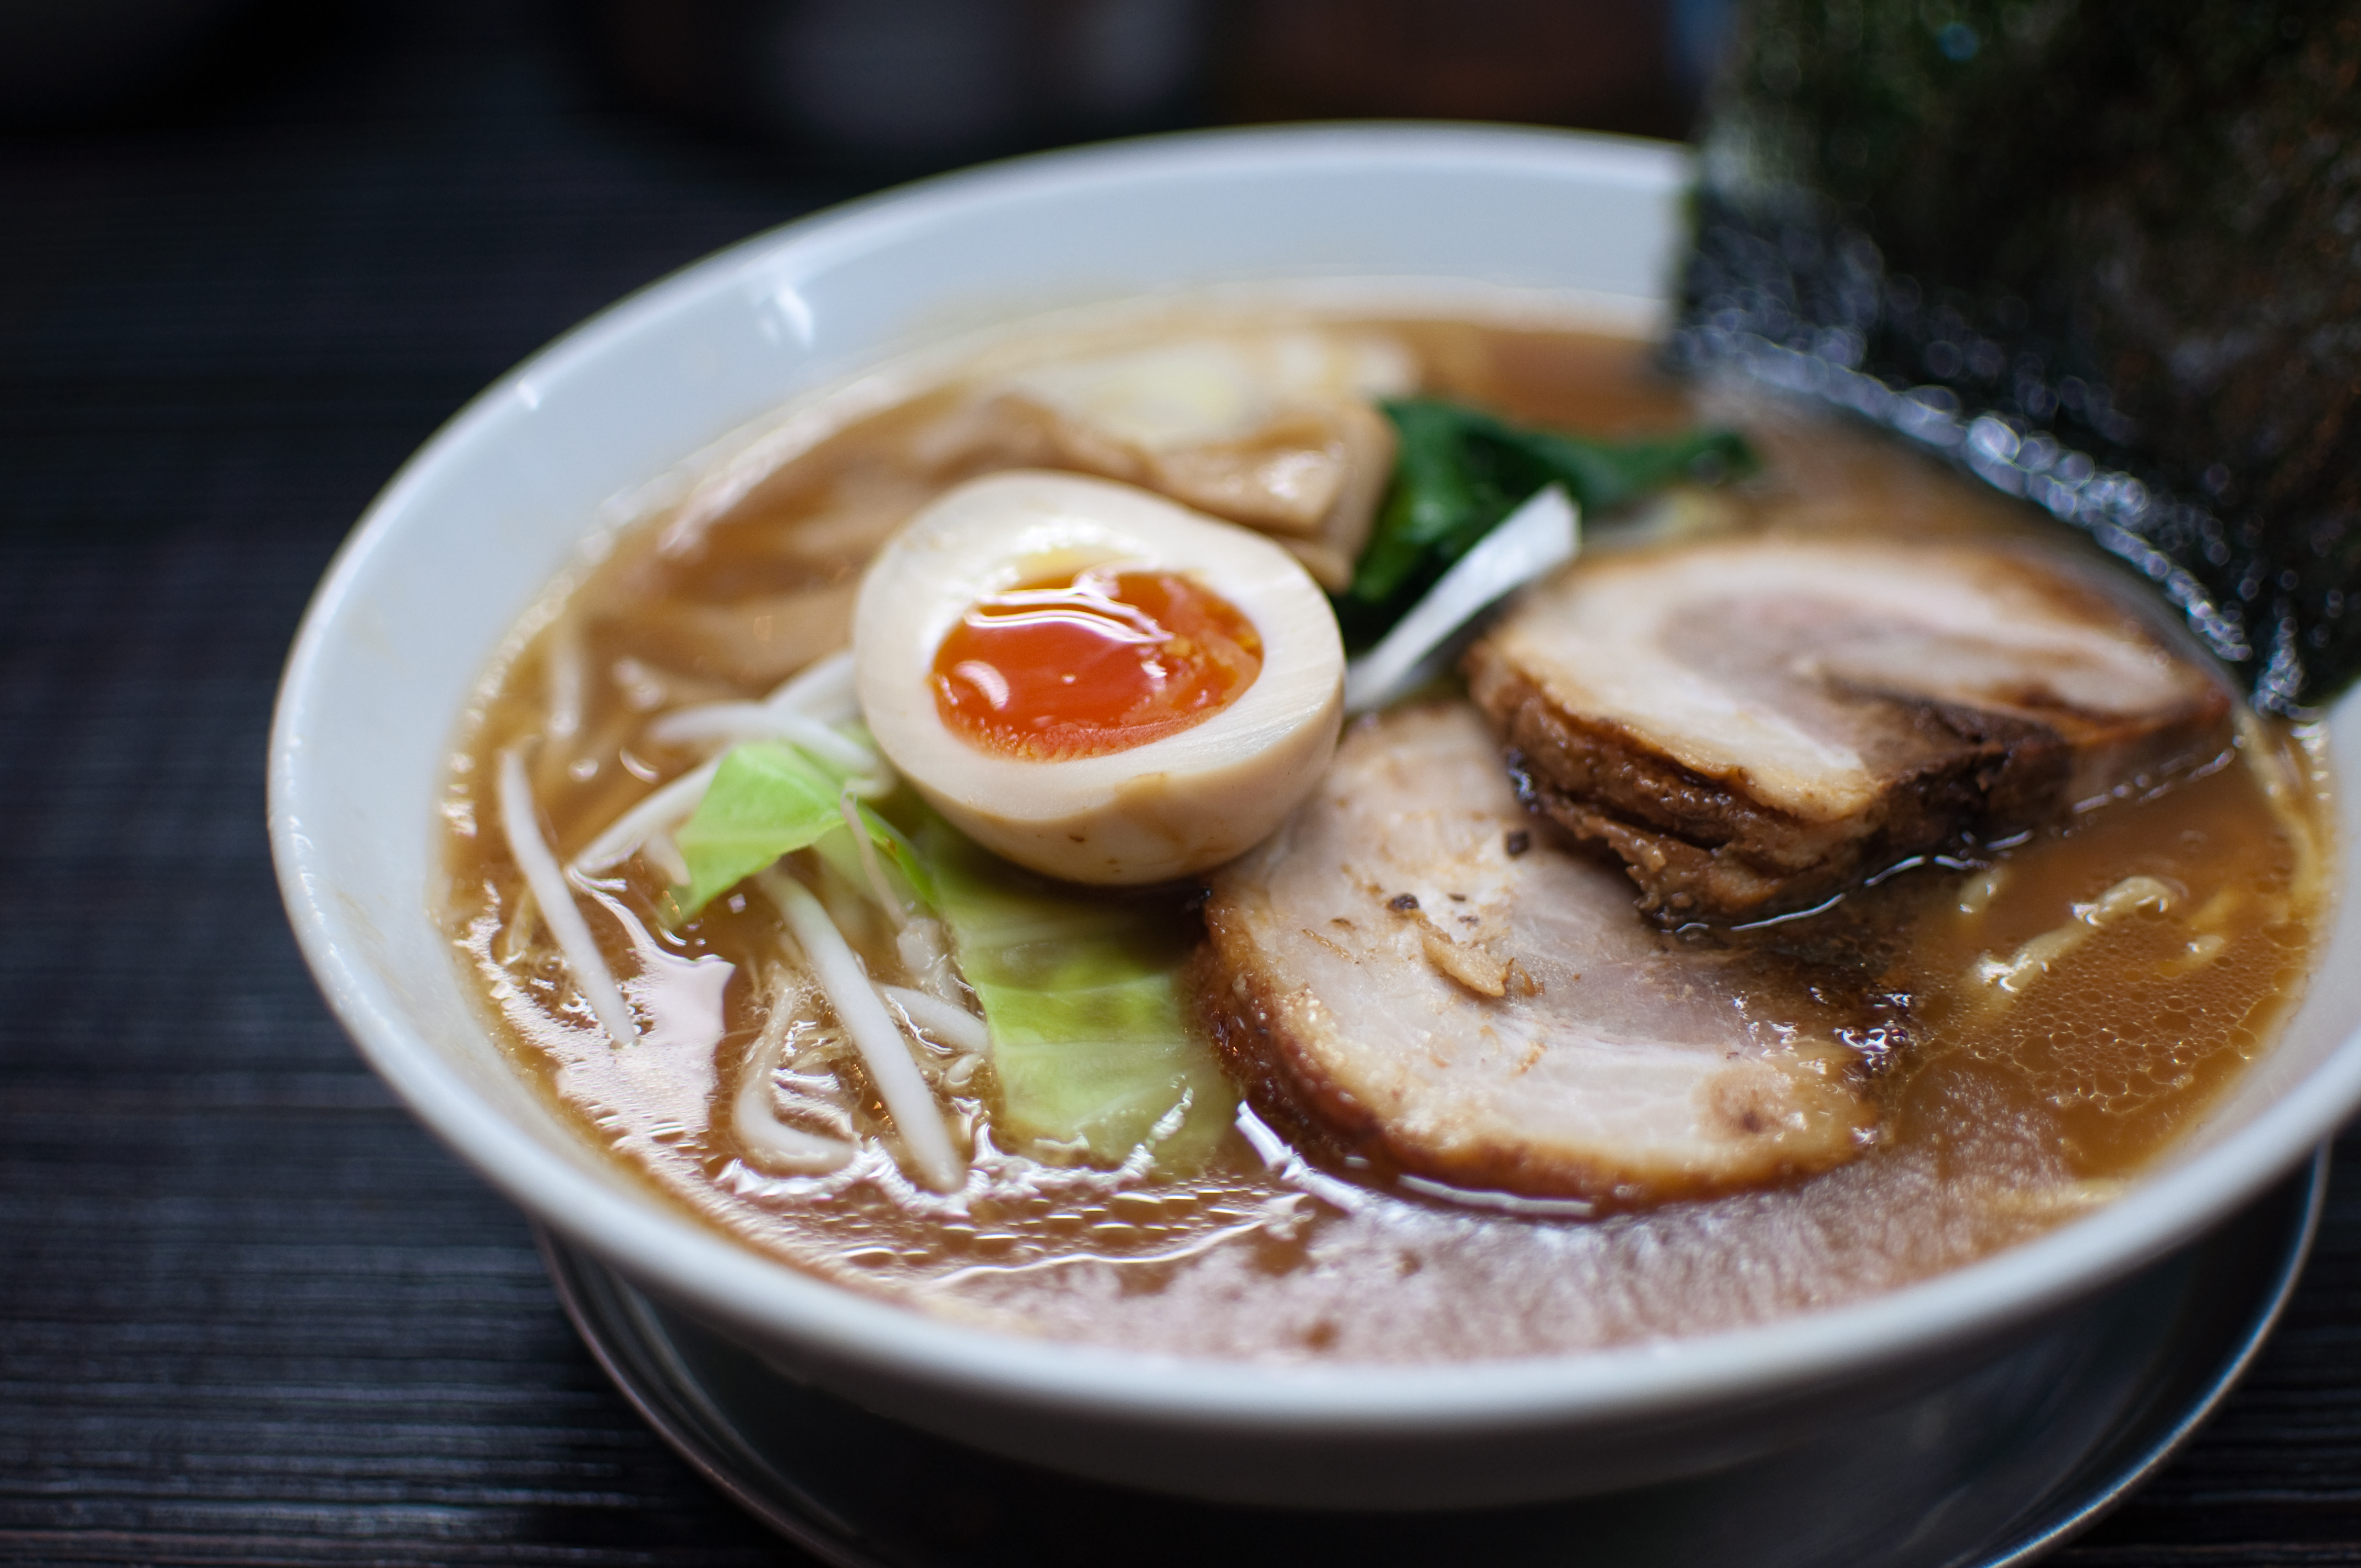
point(1164, 810)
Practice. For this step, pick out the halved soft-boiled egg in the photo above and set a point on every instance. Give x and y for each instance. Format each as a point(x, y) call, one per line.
point(1094, 681)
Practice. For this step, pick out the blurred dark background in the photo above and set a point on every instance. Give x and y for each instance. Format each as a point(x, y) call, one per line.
point(252, 252)
point(879, 87)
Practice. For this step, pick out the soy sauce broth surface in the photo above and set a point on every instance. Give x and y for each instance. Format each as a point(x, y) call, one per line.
point(2007, 1110)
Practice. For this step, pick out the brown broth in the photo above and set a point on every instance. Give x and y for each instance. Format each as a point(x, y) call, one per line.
point(2004, 1119)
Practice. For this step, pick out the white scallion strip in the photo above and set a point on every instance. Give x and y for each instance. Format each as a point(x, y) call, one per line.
point(558, 910)
point(1532, 542)
point(953, 1025)
point(838, 973)
point(661, 812)
point(755, 1118)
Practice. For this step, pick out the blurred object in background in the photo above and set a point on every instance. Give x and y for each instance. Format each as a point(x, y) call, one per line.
point(889, 88)
point(1634, 66)
point(900, 85)
point(70, 63)
point(884, 89)
point(1701, 33)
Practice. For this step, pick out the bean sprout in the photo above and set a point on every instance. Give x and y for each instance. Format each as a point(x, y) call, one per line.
point(728, 723)
point(558, 910)
point(659, 813)
point(822, 689)
point(819, 694)
point(879, 888)
point(755, 1118)
point(956, 1026)
point(837, 970)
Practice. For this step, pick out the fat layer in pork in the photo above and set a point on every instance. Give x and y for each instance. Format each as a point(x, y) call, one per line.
point(1755, 725)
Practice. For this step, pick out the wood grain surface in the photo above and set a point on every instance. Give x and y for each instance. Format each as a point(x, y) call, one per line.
point(249, 1311)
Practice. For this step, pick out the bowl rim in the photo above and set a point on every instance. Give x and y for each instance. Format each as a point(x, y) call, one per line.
point(680, 1259)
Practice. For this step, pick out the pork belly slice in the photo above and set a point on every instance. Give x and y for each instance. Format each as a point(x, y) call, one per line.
point(1756, 725)
point(1414, 966)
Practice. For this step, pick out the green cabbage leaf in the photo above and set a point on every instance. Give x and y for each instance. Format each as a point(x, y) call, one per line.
point(1090, 1046)
point(1091, 1043)
point(768, 800)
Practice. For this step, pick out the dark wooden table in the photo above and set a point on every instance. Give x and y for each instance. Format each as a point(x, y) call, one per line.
point(249, 1311)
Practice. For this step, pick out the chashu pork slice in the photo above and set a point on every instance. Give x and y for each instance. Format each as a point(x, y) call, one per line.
point(1756, 725)
point(1412, 965)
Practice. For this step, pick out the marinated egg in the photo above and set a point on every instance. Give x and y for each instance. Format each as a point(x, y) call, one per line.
point(1093, 681)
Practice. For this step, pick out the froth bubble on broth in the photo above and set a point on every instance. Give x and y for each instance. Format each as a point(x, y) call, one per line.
point(2034, 1020)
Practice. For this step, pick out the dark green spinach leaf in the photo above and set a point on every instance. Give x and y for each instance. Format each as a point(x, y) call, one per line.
point(1459, 471)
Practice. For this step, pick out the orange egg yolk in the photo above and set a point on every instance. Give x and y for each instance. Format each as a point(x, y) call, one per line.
point(1100, 663)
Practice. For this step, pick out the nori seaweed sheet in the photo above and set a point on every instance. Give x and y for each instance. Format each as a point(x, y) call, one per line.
point(2107, 255)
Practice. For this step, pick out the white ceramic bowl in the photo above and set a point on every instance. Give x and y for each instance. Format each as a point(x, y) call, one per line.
point(474, 527)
